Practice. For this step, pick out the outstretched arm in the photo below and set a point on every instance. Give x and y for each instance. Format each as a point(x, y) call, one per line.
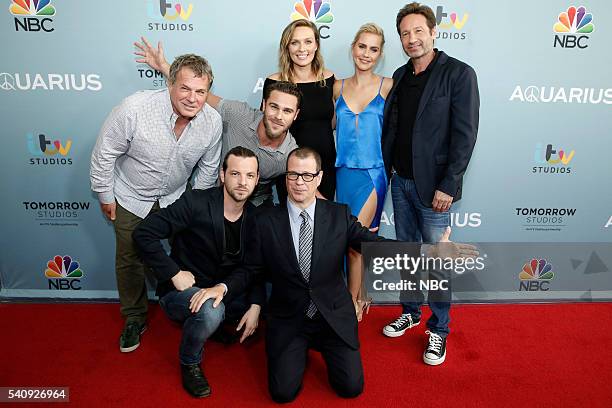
point(155, 58)
point(152, 57)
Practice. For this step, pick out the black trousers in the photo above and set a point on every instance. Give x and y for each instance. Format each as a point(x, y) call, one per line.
point(286, 369)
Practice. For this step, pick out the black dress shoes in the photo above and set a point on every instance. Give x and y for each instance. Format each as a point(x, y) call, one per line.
point(194, 381)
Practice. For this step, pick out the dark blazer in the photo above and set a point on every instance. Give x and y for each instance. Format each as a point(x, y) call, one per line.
point(271, 255)
point(195, 221)
point(445, 128)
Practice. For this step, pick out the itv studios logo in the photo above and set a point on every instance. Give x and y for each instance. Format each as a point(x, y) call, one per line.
point(169, 16)
point(573, 28)
point(33, 15)
point(450, 25)
point(63, 273)
point(317, 11)
point(48, 152)
point(552, 160)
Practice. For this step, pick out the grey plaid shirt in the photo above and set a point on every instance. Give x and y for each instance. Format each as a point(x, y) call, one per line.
point(138, 161)
point(240, 123)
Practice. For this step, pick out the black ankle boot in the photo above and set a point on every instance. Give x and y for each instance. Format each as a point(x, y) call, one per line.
point(194, 381)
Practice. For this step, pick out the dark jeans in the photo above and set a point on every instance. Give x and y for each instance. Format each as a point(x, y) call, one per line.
point(129, 268)
point(286, 369)
point(197, 327)
point(415, 222)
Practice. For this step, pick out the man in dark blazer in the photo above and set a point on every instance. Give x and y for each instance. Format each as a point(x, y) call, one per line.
point(209, 230)
point(300, 250)
point(429, 133)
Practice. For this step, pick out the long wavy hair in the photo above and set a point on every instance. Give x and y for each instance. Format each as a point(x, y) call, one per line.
point(285, 65)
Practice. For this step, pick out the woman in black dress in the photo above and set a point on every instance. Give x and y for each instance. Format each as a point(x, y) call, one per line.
point(300, 61)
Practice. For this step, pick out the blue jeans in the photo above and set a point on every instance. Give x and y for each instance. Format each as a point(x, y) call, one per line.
point(197, 327)
point(415, 222)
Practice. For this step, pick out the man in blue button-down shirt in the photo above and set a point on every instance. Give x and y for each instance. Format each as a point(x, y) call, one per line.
point(146, 151)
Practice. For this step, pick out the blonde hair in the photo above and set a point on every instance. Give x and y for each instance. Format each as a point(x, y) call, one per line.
point(370, 28)
point(285, 65)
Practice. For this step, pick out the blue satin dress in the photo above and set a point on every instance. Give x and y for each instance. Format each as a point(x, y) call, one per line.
point(359, 162)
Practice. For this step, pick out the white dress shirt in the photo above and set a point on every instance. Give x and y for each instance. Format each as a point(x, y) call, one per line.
point(137, 159)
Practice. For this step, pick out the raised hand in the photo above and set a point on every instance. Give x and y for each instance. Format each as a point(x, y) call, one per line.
point(152, 57)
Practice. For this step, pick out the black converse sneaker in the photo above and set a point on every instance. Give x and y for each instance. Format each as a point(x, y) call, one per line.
point(436, 349)
point(399, 326)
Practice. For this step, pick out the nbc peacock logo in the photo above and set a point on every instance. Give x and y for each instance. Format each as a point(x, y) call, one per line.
point(536, 275)
point(32, 8)
point(32, 15)
point(317, 11)
point(63, 273)
point(572, 28)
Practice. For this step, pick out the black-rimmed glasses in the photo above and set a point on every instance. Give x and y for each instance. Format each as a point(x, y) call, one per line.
point(307, 177)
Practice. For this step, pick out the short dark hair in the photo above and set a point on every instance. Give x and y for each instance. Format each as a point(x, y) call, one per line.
point(304, 153)
point(416, 8)
point(239, 151)
point(284, 87)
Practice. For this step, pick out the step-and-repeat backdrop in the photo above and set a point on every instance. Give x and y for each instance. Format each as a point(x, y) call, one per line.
point(537, 188)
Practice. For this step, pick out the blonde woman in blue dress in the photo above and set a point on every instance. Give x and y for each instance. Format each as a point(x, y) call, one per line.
point(361, 181)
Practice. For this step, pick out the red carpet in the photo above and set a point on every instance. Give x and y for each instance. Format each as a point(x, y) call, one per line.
point(498, 356)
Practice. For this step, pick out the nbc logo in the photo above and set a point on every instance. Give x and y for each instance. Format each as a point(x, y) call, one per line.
point(175, 15)
point(33, 15)
point(572, 27)
point(536, 275)
point(550, 157)
point(317, 11)
point(449, 21)
point(63, 273)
